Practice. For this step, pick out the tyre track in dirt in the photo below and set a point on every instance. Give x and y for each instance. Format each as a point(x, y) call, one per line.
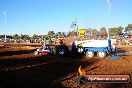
point(33, 64)
point(57, 72)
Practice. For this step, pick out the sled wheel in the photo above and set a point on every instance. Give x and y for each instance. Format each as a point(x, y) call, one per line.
point(101, 54)
point(89, 54)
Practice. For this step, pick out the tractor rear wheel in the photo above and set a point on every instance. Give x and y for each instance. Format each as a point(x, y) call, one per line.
point(62, 50)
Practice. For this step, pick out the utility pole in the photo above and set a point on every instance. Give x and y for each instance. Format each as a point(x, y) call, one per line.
point(74, 26)
point(109, 15)
point(5, 25)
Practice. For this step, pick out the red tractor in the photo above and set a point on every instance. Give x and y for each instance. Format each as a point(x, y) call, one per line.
point(43, 50)
point(59, 49)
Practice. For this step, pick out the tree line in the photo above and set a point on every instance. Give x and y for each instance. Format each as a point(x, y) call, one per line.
point(89, 32)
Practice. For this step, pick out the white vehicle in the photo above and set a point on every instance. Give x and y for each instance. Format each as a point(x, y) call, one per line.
point(99, 47)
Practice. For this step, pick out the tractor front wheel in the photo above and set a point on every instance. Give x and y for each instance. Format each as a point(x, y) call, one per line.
point(36, 53)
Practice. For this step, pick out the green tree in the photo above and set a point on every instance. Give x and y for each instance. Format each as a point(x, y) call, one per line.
point(35, 36)
point(71, 33)
point(94, 33)
point(9, 36)
point(51, 33)
point(24, 36)
point(42, 36)
point(16, 36)
point(120, 29)
point(63, 34)
point(113, 31)
point(103, 31)
point(58, 34)
point(128, 28)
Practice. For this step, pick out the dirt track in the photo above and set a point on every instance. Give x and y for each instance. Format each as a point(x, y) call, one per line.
point(19, 68)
